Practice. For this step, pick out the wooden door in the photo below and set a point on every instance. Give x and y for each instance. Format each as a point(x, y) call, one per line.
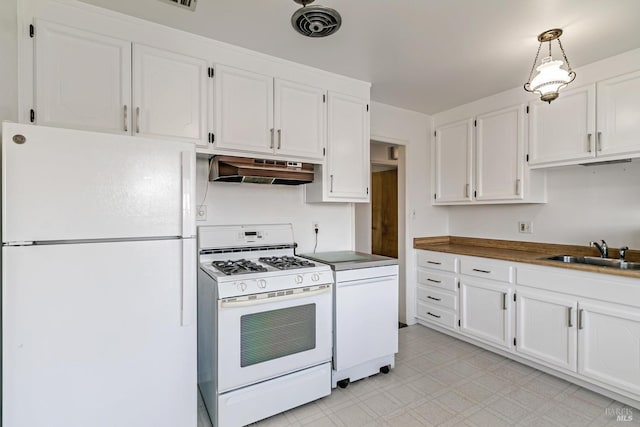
point(384, 213)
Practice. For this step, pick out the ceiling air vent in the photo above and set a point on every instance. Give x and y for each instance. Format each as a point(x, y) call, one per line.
point(187, 4)
point(315, 21)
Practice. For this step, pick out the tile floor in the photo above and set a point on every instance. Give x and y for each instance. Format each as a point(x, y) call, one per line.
point(439, 380)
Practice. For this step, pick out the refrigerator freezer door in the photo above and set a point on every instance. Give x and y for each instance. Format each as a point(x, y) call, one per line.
point(88, 344)
point(61, 184)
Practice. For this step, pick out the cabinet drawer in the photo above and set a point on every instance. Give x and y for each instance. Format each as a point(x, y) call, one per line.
point(432, 278)
point(438, 297)
point(437, 260)
point(486, 269)
point(437, 315)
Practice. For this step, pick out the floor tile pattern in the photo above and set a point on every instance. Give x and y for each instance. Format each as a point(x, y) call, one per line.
point(441, 381)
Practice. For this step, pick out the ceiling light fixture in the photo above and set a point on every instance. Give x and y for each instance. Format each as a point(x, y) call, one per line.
point(315, 21)
point(550, 78)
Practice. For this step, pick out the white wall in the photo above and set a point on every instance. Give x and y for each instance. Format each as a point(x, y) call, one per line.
point(234, 203)
point(8, 65)
point(390, 123)
point(584, 203)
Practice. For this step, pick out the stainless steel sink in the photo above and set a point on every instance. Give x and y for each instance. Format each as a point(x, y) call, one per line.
point(591, 260)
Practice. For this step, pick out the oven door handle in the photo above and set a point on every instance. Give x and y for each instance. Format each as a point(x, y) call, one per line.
point(258, 301)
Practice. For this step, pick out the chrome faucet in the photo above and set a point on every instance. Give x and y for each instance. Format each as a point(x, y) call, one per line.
point(623, 252)
point(603, 248)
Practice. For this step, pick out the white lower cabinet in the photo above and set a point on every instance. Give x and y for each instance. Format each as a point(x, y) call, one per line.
point(437, 290)
point(485, 311)
point(609, 344)
point(546, 328)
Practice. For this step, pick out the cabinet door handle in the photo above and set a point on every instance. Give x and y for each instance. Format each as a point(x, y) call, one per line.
point(569, 323)
point(271, 145)
point(331, 189)
point(466, 190)
point(434, 281)
point(517, 187)
point(126, 128)
point(434, 315)
point(434, 298)
point(580, 320)
point(482, 271)
point(279, 138)
point(137, 119)
point(434, 262)
point(599, 141)
point(504, 300)
point(588, 142)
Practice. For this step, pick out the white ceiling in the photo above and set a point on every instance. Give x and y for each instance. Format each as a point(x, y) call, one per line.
point(422, 55)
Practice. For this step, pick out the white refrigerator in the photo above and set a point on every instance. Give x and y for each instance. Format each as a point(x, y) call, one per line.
point(98, 280)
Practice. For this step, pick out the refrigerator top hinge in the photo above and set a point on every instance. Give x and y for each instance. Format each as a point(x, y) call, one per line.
point(20, 243)
point(32, 31)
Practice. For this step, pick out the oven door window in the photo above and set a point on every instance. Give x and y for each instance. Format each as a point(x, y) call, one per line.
point(269, 335)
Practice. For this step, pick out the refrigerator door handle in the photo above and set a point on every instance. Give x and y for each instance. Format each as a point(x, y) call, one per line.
point(188, 219)
point(188, 286)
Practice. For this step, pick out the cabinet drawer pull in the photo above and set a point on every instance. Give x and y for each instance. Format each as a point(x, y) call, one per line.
point(482, 271)
point(279, 138)
point(434, 280)
point(434, 298)
point(434, 262)
point(588, 142)
point(434, 315)
point(569, 323)
point(271, 145)
point(504, 300)
point(137, 119)
point(580, 320)
point(126, 128)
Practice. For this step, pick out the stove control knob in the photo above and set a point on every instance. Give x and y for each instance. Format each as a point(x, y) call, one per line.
point(262, 283)
point(242, 286)
point(299, 278)
point(315, 277)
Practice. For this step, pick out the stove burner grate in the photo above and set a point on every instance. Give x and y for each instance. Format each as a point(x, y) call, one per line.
point(286, 262)
point(240, 266)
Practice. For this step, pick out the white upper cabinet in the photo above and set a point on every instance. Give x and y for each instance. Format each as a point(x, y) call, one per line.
point(344, 177)
point(563, 130)
point(170, 95)
point(453, 160)
point(244, 111)
point(618, 115)
point(593, 123)
point(82, 80)
point(499, 154)
point(256, 113)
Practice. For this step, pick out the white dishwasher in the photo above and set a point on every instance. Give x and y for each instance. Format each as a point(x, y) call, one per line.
point(365, 314)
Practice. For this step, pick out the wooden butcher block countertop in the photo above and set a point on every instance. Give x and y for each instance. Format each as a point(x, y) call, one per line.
point(525, 252)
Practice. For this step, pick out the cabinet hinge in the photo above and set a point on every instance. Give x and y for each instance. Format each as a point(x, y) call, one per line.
point(434, 133)
point(527, 109)
point(32, 115)
point(324, 152)
point(514, 297)
point(32, 31)
point(324, 98)
point(458, 284)
point(459, 323)
point(367, 107)
point(367, 190)
point(210, 72)
point(212, 137)
point(514, 341)
point(475, 193)
point(434, 196)
point(527, 158)
point(475, 123)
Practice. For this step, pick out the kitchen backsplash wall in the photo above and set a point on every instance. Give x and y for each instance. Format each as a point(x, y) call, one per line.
point(233, 203)
point(584, 203)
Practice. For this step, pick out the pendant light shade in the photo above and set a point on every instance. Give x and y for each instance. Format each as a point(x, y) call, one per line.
point(551, 76)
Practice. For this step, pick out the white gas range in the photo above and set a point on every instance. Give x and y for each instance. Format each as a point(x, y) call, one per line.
point(264, 323)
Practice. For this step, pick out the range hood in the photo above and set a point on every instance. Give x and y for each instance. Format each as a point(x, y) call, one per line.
point(259, 171)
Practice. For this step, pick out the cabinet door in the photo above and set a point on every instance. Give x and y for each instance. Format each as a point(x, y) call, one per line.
point(299, 118)
point(169, 95)
point(609, 345)
point(453, 153)
point(546, 328)
point(348, 149)
point(83, 80)
point(564, 130)
point(485, 311)
point(244, 111)
point(499, 154)
point(619, 115)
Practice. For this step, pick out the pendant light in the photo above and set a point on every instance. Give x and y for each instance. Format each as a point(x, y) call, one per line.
point(551, 77)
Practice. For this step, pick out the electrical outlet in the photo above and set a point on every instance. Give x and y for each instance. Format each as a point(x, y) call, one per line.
point(525, 227)
point(315, 225)
point(201, 213)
